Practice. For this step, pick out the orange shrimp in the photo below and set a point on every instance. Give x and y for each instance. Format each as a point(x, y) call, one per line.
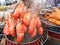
point(20, 30)
point(39, 27)
point(26, 18)
point(6, 29)
point(32, 27)
point(11, 26)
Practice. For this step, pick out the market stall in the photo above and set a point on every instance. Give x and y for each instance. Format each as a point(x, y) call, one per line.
point(29, 22)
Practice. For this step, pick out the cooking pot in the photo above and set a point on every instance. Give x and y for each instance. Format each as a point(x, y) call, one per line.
point(53, 30)
point(38, 40)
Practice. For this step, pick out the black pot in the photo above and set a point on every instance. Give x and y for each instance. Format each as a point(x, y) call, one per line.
point(53, 30)
point(38, 40)
point(26, 41)
point(1, 27)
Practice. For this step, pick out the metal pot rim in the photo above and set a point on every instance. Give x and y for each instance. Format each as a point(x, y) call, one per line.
point(2, 35)
point(22, 43)
point(53, 31)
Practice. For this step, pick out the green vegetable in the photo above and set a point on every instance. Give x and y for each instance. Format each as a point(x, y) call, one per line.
point(3, 8)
